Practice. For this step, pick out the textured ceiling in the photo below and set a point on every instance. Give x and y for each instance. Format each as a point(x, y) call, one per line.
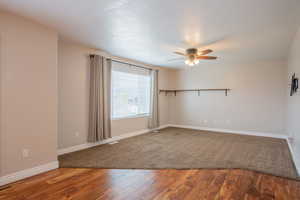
point(150, 30)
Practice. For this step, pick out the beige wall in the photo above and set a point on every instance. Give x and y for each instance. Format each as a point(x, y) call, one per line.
point(73, 84)
point(28, 93)
point(256, 102)
point(293, 111)
point(73, 93)
point(28, 101)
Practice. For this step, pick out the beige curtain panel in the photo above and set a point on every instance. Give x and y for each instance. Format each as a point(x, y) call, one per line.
point(153, 120)
point(99, 102)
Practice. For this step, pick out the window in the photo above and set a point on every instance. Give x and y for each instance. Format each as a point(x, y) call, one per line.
point(130, 91)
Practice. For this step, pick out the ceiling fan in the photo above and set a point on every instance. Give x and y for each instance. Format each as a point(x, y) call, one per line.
point(193, 55)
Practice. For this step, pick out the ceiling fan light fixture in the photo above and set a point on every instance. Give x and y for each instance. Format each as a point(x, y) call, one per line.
point(193, 56)
point(191, 62)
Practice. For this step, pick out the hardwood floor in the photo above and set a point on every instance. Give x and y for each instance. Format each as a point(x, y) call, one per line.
point(99, 184)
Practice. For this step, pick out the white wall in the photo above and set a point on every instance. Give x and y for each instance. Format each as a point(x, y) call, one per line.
point(28, 93)
point(73, 76)
point(293, 109)
point(255, 103)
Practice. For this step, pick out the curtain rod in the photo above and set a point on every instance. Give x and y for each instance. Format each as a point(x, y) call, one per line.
point(92, 55)
point(131, 64)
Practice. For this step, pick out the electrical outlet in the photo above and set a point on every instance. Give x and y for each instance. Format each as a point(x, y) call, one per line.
point(25, 153)
point(77, 134)
point(204, 122)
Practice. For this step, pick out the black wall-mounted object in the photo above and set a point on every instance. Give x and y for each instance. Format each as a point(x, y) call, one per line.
point(294, 85)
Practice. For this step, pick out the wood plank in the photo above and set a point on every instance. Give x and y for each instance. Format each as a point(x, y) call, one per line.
point(164, 184)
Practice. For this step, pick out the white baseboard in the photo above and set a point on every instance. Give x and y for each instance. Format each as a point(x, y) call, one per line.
point(89, 145)
point(293, 155)
point(116, 138)
point(54, 165)
point(10, 178)
point(253, 133)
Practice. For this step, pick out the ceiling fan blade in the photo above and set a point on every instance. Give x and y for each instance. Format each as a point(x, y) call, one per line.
point(175, 59)
point(207, 57)
point(204, 52)
point(179, 53)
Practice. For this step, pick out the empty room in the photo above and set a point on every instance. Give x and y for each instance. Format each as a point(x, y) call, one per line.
point(142, 100)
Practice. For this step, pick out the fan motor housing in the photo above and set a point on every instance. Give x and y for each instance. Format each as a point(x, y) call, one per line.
point(191, 51)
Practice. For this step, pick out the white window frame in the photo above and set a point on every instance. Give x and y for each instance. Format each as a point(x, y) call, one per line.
point(142, 115)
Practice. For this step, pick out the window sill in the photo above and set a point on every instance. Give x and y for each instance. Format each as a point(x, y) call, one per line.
point(130, 117)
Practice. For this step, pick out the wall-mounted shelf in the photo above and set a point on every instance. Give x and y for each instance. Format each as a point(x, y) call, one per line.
point(195, 90)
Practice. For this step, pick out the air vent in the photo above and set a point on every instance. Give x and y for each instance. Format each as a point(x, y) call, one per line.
point(114, 142)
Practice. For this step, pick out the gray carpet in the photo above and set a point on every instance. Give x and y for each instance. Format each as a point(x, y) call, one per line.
point(178, 148)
